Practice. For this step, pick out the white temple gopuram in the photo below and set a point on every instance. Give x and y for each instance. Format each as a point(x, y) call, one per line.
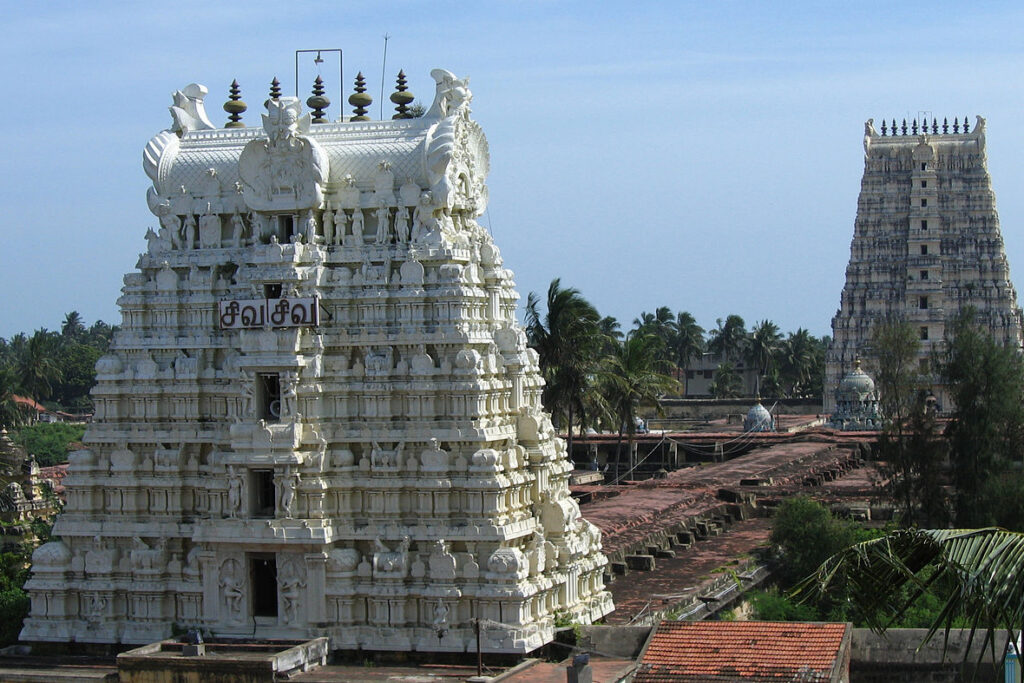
point(320, 416)
point(926, 244)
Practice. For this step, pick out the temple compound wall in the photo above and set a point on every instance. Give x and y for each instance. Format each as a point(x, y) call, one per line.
point(926, 244)
point(320, 416)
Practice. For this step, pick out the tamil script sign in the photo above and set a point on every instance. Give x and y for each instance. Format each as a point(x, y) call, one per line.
point(254, 313)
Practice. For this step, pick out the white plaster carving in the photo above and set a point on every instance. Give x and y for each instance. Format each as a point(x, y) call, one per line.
point(345, 447)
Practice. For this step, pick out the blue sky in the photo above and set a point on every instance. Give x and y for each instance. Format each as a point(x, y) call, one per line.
point(701, 156)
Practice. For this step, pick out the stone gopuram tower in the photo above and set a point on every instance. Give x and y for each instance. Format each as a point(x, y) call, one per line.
point(926, 244)
point(320, 417)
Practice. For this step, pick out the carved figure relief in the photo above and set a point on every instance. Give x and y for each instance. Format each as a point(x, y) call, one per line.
point(288, 483)
point(383, 222)
point(402, 228)
point(442, 562)
point(292, 581)
point(189, 230)
point(237, 230)
point(232, 587)
point(357, 226)
point(235, 483)
point(289, 394)
point(340, 225)
point(425, 225)
point(328, 221)
point(285, 170)
point(391, 562)
point(434, 458)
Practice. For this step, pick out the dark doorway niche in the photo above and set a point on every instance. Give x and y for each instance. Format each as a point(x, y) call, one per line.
point(264, 585)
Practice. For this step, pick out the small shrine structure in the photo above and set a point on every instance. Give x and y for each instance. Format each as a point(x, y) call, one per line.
point(856, 402)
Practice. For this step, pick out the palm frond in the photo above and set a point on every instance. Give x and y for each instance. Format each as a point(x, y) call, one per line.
point(980, 568)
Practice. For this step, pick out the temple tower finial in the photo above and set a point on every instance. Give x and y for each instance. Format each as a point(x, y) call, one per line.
point(318, 101)
point(360, 99)
point(235, 106)
point(402, 98)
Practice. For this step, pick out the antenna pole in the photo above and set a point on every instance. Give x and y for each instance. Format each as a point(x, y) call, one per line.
point(383, 70)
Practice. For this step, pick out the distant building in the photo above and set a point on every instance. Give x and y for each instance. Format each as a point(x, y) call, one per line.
point(701, 372)
point(926, 244)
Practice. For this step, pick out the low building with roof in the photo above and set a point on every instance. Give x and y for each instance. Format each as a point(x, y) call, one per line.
point(686, 651)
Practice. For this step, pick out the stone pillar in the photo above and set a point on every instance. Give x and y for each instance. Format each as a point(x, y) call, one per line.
point(211, 607)
point(316, 588)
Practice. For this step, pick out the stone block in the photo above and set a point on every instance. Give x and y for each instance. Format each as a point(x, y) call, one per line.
point(640, 562)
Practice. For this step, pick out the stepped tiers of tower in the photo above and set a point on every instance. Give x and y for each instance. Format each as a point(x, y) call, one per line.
point(320, 416)
point(926, 244)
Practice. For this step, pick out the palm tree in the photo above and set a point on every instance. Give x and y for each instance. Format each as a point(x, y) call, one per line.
point(982, 567)
point(687, 340)
point(728, 340)
point(763, 345)
point(653, 323)
point(568, 340)
point(797, 361)
point(72, 328)
point(727, 382)
point(634, 375)
point(36, 367)
point(10, 413)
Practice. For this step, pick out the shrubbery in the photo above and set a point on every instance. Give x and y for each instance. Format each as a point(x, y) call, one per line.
point(49, 441)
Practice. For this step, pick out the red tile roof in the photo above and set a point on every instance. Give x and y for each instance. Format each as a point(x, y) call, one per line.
point(29, 403)
point(741, 650)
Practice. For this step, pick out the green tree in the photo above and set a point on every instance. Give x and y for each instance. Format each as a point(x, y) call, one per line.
point(11, 414)
point(568, 340)
point(806, 534)
point(634, 375)
point(979, 571)
point(729, 338)
point(100, 334)
point(908, 442)
point(49, 441)
point(986, 433)
point(726, 382)
point(72, 329)
point(763, 346)
point(797, 359)
point(687, 341)
point(77, 364)
point(36, 365)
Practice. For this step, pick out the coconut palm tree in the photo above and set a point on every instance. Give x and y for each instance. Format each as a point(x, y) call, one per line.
point(634, 375)
point(36, 367)
point(687, 340)
point(763, 345)
point(980, 568)
point(10, 414)
point(568, 340)
point(729, 339)
point(727, 382)
point(656, 323)
point(72, 328)
point(797, 361)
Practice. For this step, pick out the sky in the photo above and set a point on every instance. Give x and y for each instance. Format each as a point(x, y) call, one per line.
point(704, 156)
